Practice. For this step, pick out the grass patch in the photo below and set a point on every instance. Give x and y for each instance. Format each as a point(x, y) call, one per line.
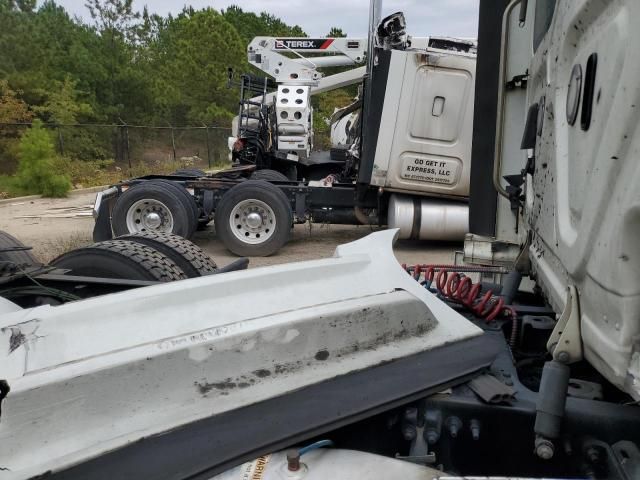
point(55, 247)
point(84, 174)
point(10, 187)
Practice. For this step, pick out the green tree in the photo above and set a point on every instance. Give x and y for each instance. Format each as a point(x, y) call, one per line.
point(116, 18)
point(148, 30)
point(36, 168)
point(43, 47)
point(324, 105)
point(62, 105)
point(191, 60)
point(15, 27)
point(142, 68)
point(12, 108)
point(336, 32)
point(17, 5)
point(117, 25)
point(250, 25)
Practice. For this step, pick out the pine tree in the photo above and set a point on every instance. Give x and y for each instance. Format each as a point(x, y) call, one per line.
point(36, 168)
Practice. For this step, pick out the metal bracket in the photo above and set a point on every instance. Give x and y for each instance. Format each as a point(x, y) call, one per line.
point(565, 342)
point(518, 81)
point(301, 206)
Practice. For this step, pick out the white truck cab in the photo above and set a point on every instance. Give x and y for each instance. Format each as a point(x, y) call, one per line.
point(567, 173)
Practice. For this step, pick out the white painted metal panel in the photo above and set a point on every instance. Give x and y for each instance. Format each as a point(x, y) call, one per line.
point(93, 375)
point(583, 203)
point(424, 143)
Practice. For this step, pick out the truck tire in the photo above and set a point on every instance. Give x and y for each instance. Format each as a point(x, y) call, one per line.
point(190, 172)
point(120, 259)
point(21, 258)
point(193, 261)
point(269, 176)
point(291, 172)
point(152, 206)
point(187, 198)
point(254, 219)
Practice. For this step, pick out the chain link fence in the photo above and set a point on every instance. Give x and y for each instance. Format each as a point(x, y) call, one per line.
point(201, 146)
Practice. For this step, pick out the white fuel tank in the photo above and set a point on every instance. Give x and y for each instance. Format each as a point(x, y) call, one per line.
point(422, 218)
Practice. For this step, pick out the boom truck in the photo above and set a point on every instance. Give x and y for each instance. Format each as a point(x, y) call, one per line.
point(522, 362)
point(401, 151)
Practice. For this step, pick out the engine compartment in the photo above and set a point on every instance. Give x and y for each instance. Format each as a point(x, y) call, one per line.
point(484, 427)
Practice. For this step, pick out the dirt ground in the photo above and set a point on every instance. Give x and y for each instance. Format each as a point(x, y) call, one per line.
point(53, 226)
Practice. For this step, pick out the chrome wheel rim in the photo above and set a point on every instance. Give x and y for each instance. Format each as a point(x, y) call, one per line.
point(252, 221)
point(149, 214)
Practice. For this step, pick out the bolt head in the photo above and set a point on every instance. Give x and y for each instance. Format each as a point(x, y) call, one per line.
point(409, 433)
point(432, 437)
point(544, 450)
point(293, 460)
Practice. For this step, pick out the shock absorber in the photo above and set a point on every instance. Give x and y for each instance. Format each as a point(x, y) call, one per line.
point(550, 404)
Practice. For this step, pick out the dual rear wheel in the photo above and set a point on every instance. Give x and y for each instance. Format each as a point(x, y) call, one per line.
point(158, 206)
point(253, 218)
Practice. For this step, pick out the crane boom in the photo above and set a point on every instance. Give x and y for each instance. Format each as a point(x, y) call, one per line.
point(288, 61)
point(269, 55)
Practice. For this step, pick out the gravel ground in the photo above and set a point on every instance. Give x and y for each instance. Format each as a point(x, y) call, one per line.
point(31, 221)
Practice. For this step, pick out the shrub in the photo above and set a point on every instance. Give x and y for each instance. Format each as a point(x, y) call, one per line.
point(37, 164)
point(9, 187)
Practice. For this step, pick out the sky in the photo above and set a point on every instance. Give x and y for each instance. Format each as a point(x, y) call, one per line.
point(316, 17)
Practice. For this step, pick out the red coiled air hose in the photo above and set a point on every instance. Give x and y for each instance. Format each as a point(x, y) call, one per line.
point(460, 288)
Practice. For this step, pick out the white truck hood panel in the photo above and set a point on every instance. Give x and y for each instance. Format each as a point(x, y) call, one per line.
point(93, 375)
point(583, 201)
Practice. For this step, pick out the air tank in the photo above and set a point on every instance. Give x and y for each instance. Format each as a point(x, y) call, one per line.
point(329, 463)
